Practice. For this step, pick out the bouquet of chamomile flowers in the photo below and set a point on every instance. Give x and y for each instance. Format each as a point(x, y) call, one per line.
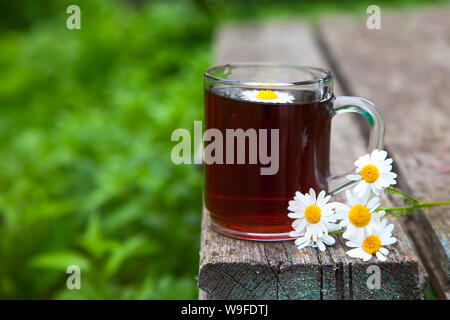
point(360, 220)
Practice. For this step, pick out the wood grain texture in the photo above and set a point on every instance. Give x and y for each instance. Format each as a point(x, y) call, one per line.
point(240, 269)
point(405, 68)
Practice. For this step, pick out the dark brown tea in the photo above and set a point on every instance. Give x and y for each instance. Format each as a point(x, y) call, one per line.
point(237, 196)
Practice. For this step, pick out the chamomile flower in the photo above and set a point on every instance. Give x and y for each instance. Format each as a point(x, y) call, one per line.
point(267, 96)
point(302, 242)
point(373, 244)
point(373, 173)
point(314, 215)
point(359, 217)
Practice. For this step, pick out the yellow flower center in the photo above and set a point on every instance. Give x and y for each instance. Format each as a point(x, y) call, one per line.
point(266, 95)
point(312, 213)
point(370, 173)
point(372, 244)
point(359, 215)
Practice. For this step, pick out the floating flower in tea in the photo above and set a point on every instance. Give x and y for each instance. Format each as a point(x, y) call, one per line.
point(267, 96)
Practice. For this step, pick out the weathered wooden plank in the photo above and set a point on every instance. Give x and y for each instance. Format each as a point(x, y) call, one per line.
point(405, 68)
point(239, 269)
point(203, 295)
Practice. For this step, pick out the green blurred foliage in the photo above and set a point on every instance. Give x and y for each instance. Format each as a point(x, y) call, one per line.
point(86, 177)
point(85, 123)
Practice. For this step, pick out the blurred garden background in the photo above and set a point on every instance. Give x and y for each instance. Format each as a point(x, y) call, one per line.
point(85, 123)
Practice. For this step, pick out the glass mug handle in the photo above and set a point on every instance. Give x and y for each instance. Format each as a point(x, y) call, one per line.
point(344, 104)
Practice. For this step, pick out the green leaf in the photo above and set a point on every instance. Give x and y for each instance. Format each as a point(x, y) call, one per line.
point(60, 260)
point(133, 247)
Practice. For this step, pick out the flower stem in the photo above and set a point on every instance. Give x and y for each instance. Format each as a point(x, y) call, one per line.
point(336, 232)
point(416, 206)
point(400, 211)
point(406, 196)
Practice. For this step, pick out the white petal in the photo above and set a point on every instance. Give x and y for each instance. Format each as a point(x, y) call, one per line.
point(333, 227)
point(378, 155)
point(390, 241)
point(350, 197)
point(390, 228)
point(381, 183)
point(379, 214)
point(327, 211)
point(353, 177)
point(374, 189)
point(384, 168)
point(304, 244)
point(295, 234)
point(324, 201)
point(389, 175)
point(299, 224)
point(340, 207)
point(384, 251)
point(363, 189)
point(296, 215)
point(358, 187)
point(301, 241)
point(374, 154)
point(320, 197)
point(352, 244)
point(296, 209)
point(349, 232)
point(324, 229)
point(383, 224)
point(321, 245)
point(308, 233)
point(367, 256)
point(361, 232)
point(373, 203)
point(377, 226)
point(343, 223)
point(302, 199)
point(362, 161)
point(293, 208)
point(380, 256)
point(297, 205)
point(311, 228)
point(312, 195)
point(364, 199)
point(329, 240)
point(340, 215)
point(356, 253)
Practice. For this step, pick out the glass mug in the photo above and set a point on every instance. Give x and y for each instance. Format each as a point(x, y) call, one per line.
point(274, 125)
